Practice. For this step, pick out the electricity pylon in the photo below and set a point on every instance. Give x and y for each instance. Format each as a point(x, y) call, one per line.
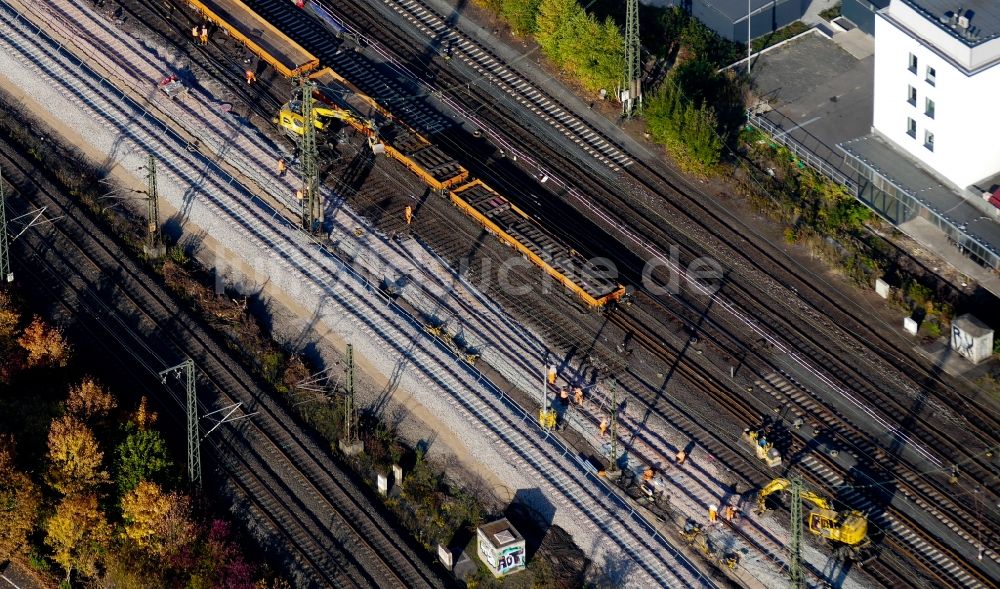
point(795, 577)
point(154, 237)
point(631, 92)
point(309, 156)
point(5, 273)
point(193, 437)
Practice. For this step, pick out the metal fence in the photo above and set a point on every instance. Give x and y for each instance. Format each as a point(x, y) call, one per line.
point(806, 155)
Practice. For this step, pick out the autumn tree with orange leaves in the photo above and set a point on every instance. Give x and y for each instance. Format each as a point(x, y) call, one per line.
point(19, 501)
point(89, 399)
point(45, 345)
point(75, 459)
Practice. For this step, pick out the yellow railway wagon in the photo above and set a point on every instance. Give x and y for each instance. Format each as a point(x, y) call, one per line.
point(518, 230)
point(399, 142)
point(259, 36)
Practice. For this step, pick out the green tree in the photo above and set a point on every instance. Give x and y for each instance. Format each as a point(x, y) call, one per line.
point(553, 26)
point(142, 456)
point(521, 14)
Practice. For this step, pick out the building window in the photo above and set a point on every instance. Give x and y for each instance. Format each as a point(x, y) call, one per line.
point(931, 76)
point(911, 127)
point(913, 63)
point(911, 95)
point(929, 107)
point(929, 140)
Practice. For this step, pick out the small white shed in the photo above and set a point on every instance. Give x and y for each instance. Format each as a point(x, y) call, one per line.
point(971, 338)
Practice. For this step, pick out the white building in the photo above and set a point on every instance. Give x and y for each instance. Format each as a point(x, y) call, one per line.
point(931, 164)
point(937, 84)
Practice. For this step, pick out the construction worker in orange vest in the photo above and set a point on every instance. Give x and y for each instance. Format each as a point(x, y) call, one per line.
point(408, 213)
point(250, 76)
point(647, 475)
point(552, 375)
point(681, 457)
point(204, 35)
point(730, 512)
point(603, 426)
point(194, 33)
point(713, 513)
point(578, 395)
point(282, 166)
point(298, 195)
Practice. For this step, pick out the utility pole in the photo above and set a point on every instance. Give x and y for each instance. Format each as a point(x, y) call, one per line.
point(6, 275)
point(749, 51)
point(796, 580)
point(350, 444)
point(613, 426)
point(308, 152)
point(349, 432)
point(154, 240)
point(193, 438)
point(631, 95)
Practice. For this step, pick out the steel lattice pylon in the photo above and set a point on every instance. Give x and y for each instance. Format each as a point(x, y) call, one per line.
point(796, 580)
point(5, 273)
point(631, 92)
point(310, 175)
point(153, 205)
point(185, 370)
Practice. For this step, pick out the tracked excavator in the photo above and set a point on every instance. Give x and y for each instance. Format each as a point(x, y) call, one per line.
point(849, 528)
point(290, 120)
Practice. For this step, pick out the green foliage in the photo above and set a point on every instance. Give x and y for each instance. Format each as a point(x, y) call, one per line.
point(432, 508)
point(38, 562)
point(687, 129)
point(521, 14)
point(832, 12)
point(177, 255)
point(705, 43)
point(271, 364)
point(592, 51)
point(782, 34)
point(142, 456)
point(918, 294)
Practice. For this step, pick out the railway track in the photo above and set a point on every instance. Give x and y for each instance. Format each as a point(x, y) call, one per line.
point(257, 224)
point(324, 517)
point(785, 329)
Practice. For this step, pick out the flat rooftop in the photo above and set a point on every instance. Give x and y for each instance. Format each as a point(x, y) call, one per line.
point(820, 91)
point(907, 175)
point(983, 15)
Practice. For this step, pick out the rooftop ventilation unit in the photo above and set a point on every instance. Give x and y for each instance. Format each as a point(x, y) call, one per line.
point(963, 22)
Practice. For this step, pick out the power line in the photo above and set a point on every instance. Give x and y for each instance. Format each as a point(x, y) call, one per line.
point(6, 275)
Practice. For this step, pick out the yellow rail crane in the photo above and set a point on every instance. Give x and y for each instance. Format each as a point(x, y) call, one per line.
point(847, 528)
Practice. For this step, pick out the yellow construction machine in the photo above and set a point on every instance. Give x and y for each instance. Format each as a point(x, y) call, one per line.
point(849, 528)
point(290, 119)
point(763, 448)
